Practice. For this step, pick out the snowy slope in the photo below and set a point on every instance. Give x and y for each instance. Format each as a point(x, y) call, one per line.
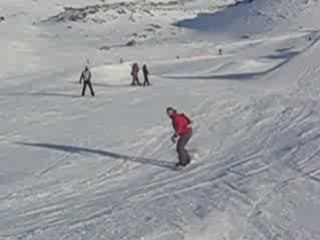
point(99, 168)
point(250, 16)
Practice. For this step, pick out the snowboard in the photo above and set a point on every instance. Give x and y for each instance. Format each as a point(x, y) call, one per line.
point(181, 168)
point(194, 156)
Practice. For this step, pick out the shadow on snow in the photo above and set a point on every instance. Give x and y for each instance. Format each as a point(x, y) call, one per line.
point(217, 21)
point(112, 85)
point(284, 53)
point(38, 94)
point(80, 150)
point(287, 56)
point(57, 94)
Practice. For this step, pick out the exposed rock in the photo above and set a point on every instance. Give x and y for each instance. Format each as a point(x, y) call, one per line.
point(121, 11)
point(104, 48)
point(155, 26)
point(148, 12)
point(92, 11)
point(245, 36)
point(149, 30)
point(131, 43)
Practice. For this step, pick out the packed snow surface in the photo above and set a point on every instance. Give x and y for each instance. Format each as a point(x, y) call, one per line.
point(246, 73)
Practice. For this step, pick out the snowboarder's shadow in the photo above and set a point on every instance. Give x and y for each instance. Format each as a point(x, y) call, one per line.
point(82, 150)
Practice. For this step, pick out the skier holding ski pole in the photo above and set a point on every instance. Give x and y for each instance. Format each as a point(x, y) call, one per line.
point(183, 130)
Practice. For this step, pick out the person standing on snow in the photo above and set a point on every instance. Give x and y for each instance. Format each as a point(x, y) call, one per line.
point(135, 74)
point(145, 75)
point(182, 126)
point(86, 78)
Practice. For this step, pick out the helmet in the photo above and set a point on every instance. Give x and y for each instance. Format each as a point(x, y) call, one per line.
point(171, 111)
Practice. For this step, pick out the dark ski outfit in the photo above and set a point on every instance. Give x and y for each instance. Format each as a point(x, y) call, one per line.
point(135, 74)
point(86, 78)
point(182, 126)
point(145, 75)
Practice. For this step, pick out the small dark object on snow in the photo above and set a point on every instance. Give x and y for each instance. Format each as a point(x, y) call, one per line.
point(86, 79)
point(131, 43)
point(2, 19)
point(155, 26)
point(220, 51)
point(145, 75)
point(309, 38)
point(150, 30)
point(121, 11)
point(121, 60)
point(245, 36)
point(106, 48)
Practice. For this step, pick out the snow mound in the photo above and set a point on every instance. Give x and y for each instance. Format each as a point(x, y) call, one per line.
point(248, 16)
point(220, 226)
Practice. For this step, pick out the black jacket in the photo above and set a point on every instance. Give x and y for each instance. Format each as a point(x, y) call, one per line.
point(145, 71)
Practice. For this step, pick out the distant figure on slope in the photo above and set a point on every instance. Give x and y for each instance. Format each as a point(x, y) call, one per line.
point(135, 74)
point(182, 126)
point(145, 75)
point(86, 79)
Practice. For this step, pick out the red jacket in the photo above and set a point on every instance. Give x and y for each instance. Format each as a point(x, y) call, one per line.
point(181, 124)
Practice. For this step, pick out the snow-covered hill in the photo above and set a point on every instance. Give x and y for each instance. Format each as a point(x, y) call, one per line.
point(250, 16)
point(99, 168)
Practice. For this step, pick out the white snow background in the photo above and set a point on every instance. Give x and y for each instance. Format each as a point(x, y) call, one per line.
point(87, 168)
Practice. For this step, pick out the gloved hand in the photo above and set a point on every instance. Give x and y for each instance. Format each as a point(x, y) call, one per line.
point(174, 138)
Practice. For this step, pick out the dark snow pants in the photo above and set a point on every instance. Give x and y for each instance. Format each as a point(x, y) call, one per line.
point(184, 157)
point(85, 83)
point(146, 81)
point(135, 80)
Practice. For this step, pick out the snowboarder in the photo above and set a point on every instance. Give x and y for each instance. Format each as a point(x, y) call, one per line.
point(135, 74)
point(145, 75)
point(86, 78)
point(182, 126)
